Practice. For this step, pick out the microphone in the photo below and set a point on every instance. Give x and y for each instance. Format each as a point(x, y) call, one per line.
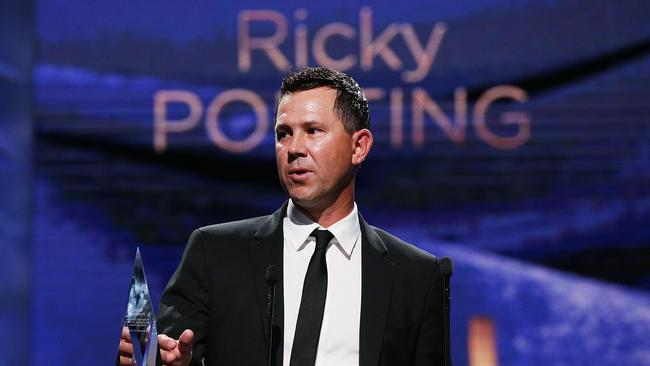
point(446, 270)
point(272, 278)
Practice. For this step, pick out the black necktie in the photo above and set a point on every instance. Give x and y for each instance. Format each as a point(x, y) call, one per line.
point(312, 304)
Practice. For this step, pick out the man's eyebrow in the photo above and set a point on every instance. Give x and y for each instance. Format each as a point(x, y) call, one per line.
point(308, 123)
point(281, 126)
point(311, 123)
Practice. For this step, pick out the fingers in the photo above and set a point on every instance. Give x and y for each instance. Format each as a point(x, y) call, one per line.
point(126, 361)
point(169, 357)
point(126, 347)
point(126, 335)
point(185, 342)
point(176, 352)
point(174, 358)
point(166, 343)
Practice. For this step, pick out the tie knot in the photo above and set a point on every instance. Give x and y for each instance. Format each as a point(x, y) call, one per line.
point(323, 238)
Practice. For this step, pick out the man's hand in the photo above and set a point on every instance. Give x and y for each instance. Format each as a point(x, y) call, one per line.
point(126, 348)
point(176, 352)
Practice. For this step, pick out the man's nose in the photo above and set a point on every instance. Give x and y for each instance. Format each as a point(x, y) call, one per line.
point(297, 146)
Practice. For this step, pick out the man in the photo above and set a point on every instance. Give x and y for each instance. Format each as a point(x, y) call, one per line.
point(350, 294)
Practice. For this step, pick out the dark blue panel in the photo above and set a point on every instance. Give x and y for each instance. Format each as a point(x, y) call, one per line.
point(15, 180)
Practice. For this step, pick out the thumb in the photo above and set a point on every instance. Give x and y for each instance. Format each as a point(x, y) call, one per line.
point(185, 342)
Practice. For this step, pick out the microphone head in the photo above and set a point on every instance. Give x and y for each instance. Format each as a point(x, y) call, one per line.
point(272, 274)
point(446, 266)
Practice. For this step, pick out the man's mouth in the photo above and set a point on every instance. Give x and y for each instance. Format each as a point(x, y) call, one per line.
point(298, 172)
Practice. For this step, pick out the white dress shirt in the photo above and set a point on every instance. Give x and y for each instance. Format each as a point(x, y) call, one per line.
point(339, 337)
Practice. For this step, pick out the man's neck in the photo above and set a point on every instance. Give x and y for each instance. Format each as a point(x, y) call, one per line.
point(331, 212)
point(329, 216)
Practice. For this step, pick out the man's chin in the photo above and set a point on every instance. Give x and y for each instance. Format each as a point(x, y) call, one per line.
point(303, 201)
point(302, 198)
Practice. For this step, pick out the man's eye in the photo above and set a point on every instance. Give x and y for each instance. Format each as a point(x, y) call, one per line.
point(280, 135)
point(312, 131)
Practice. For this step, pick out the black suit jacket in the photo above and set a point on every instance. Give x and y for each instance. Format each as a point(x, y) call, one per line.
point(219, 291)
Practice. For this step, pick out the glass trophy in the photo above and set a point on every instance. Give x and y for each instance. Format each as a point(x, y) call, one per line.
point(139, 339)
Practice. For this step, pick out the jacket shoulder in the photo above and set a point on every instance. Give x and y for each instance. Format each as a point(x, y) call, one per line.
point(240, 228)
point(399, 250)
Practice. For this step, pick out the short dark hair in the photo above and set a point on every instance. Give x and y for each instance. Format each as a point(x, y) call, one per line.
point(350, 104)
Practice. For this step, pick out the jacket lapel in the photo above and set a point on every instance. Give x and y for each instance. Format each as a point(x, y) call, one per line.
point(376, 283)
point(265, 250)
point(376, 290)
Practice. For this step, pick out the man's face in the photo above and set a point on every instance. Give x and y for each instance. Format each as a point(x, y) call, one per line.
point(313, 150)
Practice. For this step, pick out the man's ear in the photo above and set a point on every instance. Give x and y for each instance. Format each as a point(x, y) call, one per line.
point(361, 144)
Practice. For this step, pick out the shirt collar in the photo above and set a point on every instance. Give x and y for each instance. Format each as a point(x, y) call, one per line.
point(346, 231)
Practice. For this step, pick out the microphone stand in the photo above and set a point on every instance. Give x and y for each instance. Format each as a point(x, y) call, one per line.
point(446, 270)
point(272, 276)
